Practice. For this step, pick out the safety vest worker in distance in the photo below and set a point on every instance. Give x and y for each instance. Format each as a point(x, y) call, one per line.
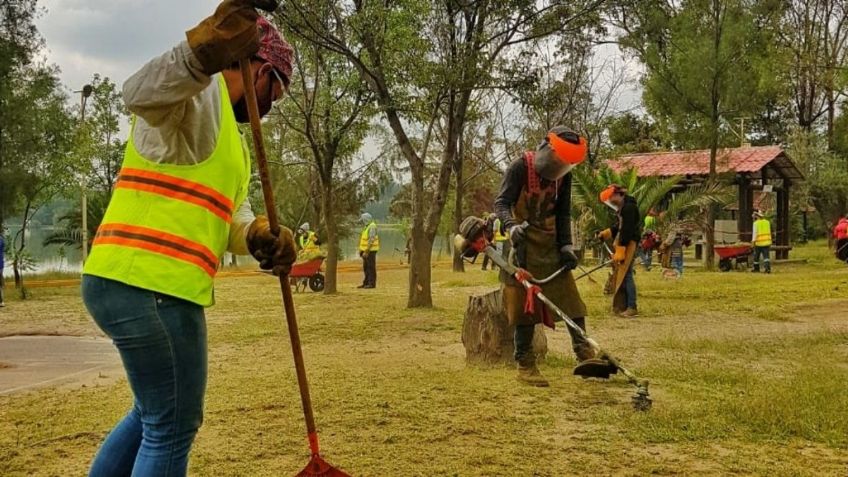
point(363, 239)
point(167, 226)
point(762, 233)
point(309, 242)
point(499, 236)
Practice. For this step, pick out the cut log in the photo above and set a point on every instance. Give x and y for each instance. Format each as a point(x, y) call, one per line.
point(487, 335)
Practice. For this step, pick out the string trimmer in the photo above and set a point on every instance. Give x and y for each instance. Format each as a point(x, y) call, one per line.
point(316, 466)
point(474, 238)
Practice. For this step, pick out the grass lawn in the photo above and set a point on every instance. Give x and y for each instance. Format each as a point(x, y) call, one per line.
point(749, 376)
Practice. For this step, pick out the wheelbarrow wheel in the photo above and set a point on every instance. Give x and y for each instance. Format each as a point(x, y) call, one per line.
point(725, 265)
point(316, 282)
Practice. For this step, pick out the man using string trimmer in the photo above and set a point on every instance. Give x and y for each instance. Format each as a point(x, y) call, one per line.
point(475, 237)
point(534, 206)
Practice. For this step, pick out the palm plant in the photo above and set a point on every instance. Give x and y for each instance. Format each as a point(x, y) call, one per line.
point(682, 210)
point(70, 235)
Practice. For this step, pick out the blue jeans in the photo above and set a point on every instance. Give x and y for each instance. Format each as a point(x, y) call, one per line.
point(630, 287)
point(647, 258)
point(762, 253)
point(677, 264)
point(162, 343)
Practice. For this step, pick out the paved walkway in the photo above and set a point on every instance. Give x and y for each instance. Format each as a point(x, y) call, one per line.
point(31, 362)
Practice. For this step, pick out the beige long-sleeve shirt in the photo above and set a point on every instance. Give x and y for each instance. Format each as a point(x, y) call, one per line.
point(177, 120)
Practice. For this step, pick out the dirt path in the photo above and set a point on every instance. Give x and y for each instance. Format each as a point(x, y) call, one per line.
point(31, 362)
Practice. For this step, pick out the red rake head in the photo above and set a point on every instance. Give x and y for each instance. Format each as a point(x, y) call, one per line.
point(318, 467)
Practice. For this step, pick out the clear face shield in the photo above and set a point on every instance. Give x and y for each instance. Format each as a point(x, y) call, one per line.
point(556, 156)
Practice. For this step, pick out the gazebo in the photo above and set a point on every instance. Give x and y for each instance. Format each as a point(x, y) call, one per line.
point(766, 169)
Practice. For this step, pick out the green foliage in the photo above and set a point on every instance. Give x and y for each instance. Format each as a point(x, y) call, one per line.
point(97, 146)
point(826, 184)
point(676, 208)
point(700, 59)
point(70, 233)
point(629, 133)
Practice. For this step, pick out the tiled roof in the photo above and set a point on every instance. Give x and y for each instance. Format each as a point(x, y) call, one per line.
point(742, 159)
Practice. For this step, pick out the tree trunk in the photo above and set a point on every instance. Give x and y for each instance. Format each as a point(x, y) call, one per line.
point(419, 271)
point(16, 263)
point(331, 265)
point(458, 263)
point(419, 259)
point(486, 334)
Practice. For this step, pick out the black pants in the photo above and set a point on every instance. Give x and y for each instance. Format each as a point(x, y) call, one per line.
point(369, 266)
point(842, 250)
point(523, 340)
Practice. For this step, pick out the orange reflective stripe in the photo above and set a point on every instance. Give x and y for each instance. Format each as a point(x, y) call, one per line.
point(158, 242)
point(176, 188)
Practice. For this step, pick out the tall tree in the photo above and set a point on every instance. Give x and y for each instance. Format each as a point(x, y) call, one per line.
point(19, 43)
point(422, 60)
point(105, 114)
point(35, 125)
point(329, 113)
point(812, 42)
point(699, 59)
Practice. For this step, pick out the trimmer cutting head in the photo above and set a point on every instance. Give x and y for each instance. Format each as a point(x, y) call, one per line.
point(642, 400)
point(595, 368)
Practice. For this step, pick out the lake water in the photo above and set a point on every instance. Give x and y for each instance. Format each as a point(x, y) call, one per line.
point(53, 258)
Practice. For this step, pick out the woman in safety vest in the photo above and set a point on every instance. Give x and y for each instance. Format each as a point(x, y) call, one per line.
point(180, 202)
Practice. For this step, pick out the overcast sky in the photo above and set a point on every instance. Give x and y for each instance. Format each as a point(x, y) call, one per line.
point(116, 37)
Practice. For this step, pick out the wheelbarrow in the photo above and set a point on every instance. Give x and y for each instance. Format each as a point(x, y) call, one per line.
point(309, 274)
point(728, 253)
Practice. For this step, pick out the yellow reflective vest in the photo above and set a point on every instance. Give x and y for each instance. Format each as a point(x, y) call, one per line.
point(363, 239)
point(499, 236)
point(762, 233)
point(167, 226)
point(308, 243)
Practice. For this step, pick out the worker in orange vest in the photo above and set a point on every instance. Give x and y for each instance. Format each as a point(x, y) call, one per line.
point(840, 233)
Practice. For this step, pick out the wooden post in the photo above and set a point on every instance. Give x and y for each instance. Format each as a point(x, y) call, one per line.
point(783, 222)
point(486, 334)
point(745, 197)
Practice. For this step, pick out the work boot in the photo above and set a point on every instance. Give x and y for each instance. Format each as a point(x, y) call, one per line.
point(529, 374)
point(630, 313)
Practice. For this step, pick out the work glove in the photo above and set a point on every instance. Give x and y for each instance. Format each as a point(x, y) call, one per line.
point(273, 253)
point(517, 234)
point(620, 254)
point(605, 234)
point(567, 257)
point(226, 37)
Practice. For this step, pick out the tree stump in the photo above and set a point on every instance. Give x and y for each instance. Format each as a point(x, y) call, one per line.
point(487, 335)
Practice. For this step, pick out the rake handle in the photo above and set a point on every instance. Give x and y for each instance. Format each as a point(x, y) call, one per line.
point(285, 287)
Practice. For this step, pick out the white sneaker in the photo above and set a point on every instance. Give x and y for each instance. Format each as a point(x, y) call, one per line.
point(2, 304)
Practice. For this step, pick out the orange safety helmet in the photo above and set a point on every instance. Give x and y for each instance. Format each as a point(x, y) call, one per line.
point(607, 194)
point(561, 150)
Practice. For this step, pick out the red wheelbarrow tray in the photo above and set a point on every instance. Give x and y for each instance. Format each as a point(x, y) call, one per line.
point(306, 269)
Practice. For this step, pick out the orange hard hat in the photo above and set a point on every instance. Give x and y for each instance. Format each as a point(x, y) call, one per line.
point(571, 150)
point(611, 190)
point(561, 150)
